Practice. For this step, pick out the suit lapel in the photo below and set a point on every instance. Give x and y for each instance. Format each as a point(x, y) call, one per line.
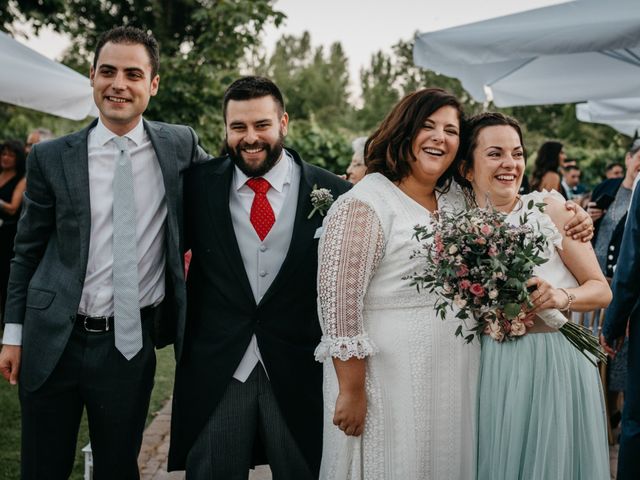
point(217, 192)
point(167, 158)
point(303, 229)
point(75, 164)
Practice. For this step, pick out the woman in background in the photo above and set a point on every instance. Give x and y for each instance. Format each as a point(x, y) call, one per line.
point(12, 187)
point(546, 175)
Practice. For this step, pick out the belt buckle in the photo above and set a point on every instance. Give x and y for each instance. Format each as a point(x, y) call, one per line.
point(93, 330)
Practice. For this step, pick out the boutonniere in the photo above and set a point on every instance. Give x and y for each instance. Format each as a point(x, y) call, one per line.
point(321, 199)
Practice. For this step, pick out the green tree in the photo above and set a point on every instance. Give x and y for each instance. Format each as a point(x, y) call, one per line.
point(380, 90)
point(313, 82)
point(202, 43)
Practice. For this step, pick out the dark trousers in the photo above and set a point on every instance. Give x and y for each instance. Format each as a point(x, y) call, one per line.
point(629, 454)
point(224, 448)
point(91, 374)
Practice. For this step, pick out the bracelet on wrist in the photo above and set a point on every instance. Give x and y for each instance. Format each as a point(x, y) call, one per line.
point(570, 298)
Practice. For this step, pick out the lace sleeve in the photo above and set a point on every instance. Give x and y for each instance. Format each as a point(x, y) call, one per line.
point(349, 252)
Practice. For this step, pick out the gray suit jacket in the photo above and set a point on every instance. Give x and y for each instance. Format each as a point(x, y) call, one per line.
point(52, 245)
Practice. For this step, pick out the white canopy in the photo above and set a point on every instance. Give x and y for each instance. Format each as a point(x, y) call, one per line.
point(576, 51)
point(622, 114)
point(31, 80)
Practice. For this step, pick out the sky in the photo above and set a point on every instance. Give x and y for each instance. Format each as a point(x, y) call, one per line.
point(361, 26)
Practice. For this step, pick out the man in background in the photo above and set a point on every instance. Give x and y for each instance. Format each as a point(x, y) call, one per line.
point(614, 170)
point(36, 136)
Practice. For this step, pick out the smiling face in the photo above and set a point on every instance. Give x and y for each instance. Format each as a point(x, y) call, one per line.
point(498, 166)
point(435, 145)
point(122, 84)
point(255, 131)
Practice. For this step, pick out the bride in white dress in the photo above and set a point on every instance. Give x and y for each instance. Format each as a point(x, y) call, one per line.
point(399, 387)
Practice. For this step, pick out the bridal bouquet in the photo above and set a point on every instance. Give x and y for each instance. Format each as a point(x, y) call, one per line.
point(478, 262)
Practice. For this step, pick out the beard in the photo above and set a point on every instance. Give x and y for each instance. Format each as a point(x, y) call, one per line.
point(272, 152)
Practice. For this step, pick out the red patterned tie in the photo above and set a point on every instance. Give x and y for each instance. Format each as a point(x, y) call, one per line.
point(262, 216)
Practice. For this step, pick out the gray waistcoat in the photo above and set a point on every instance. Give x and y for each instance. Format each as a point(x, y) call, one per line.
point(262, 260)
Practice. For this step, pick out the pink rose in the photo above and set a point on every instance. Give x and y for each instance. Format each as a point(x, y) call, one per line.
point(463, 270)
point(477, 289)
point(493, 251)
point(465, 284)
point(485, 229)
point(481, 241)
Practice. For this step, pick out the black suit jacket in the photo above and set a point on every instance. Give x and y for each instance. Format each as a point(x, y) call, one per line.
point(624, 308)
point(222, 315)
point(52, 244)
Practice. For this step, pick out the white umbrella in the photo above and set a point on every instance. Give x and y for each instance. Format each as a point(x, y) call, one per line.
point(622, 114)
point(31, 80)
point(576, 51)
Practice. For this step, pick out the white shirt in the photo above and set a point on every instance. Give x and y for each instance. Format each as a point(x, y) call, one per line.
point(151, 213)
point(279, 177)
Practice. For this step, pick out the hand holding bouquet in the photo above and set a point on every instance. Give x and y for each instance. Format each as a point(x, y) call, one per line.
point(480, 263)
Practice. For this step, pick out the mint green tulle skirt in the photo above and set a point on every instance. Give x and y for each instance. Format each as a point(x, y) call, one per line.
point(541, 410)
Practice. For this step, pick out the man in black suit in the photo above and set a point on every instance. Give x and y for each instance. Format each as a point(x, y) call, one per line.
point(247, 384)
point(625, 309)
point(97, 280)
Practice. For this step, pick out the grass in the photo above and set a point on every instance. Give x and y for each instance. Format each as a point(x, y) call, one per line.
point(10, 418)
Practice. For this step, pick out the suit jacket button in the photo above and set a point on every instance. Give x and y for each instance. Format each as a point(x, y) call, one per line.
point(610, 257)
point(612, 247)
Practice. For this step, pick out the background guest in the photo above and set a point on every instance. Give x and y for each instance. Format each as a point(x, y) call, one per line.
point(12, 186)
point(36, 136)
point(614, 170)
point(357, 169)
point(546, 174)
point(571, 182)
point(608, 209)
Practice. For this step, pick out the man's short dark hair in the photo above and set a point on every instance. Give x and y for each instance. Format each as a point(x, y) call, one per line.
point(132, 36)
point(613, 165)
point(570, 168)
point(248, 88)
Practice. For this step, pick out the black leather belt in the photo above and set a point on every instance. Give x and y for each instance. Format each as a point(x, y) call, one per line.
point(103, 324)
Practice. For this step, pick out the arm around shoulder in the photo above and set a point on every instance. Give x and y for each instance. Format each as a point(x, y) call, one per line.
point(593, 290)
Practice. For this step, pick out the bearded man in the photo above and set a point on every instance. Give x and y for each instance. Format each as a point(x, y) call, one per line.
point(248, 389)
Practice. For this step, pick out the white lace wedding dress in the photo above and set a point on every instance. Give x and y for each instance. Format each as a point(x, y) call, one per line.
point(421, 380)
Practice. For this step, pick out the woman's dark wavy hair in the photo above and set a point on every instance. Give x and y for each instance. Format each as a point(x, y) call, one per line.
point(17, 147)
point(472, 128)
point(548, 160)
point(389, 150)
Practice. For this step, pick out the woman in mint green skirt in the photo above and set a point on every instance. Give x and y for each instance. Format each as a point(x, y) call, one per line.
point(541, 406)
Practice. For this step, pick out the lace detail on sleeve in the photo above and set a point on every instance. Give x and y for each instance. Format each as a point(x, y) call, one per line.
point(349, 252)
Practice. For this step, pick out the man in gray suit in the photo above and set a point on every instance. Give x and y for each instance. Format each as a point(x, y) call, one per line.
point(97, 280)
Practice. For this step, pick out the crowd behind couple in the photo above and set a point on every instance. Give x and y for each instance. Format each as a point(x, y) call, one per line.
point(273, 286)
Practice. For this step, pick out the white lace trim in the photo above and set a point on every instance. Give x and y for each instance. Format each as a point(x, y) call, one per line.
point(546, 226)
point(349, 252)
point(345, 348)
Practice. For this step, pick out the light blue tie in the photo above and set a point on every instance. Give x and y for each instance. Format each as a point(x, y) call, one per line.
point(127, 326)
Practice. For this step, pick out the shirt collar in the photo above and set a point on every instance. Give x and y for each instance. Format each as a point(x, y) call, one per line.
point(278, 176)
point(101, 134)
